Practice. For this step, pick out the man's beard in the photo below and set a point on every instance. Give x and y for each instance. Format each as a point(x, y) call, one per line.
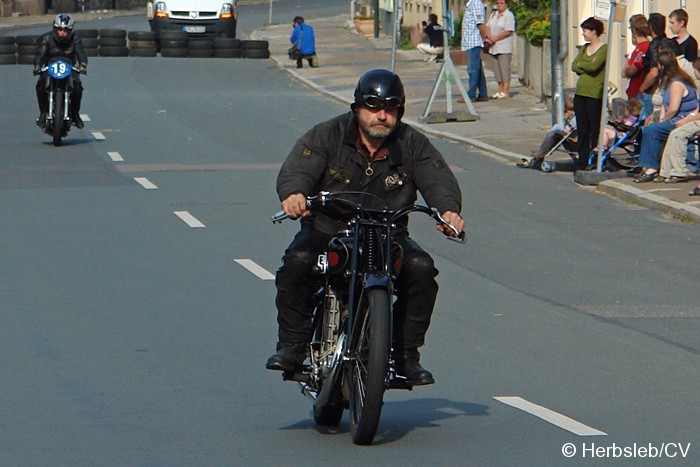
point(378, 130)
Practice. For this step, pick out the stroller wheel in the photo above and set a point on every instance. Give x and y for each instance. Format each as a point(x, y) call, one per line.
point(547, 166)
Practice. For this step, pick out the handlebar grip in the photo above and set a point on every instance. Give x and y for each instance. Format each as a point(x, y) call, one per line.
point(279, 217)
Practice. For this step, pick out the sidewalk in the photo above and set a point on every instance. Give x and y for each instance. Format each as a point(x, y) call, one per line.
point(508, 128)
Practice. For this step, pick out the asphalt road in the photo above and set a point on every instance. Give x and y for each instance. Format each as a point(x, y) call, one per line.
point(132, 333)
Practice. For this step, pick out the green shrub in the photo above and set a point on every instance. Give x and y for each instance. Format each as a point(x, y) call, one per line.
point(532, 19)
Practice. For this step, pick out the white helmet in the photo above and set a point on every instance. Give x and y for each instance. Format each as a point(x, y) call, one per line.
point(63, 21)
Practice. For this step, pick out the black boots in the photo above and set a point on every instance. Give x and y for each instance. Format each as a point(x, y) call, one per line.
point(77, 121)
point(407, 364)
point(289, 357)
point(41, 121)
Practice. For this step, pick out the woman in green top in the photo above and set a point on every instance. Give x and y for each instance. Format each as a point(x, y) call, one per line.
point(589, 65)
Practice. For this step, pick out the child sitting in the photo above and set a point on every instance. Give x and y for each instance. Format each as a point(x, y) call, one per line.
point(551, 138)
point(633, 108)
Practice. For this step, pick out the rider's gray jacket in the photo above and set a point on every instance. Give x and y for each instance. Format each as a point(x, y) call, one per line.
point(326, 158)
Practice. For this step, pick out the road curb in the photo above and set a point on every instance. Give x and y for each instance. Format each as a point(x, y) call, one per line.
point(649, 200)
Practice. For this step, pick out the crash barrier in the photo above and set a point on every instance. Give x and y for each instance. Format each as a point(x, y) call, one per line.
point(120, 43)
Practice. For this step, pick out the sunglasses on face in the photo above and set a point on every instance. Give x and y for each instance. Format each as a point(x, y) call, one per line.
point(63, 29)
point(374, 102)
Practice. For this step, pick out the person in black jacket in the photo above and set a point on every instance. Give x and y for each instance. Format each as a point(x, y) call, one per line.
point(60, 42)
point(435, 47)
point(368, 149)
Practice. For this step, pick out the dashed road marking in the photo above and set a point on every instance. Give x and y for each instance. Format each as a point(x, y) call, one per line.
point(146, 183)
point(189, 219)
point(85, 118)
point(98, 136)
point(555, 418)
point(256, 269)
point(115, 156)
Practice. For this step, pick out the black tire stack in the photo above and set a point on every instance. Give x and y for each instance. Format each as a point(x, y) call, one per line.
point(8, 50)
point(255, 49)
point(89, 38)
point(27, 47)
point(226, 47)
point(200, 48)
point(142, 44)
point(173, 44)
point(113, 43)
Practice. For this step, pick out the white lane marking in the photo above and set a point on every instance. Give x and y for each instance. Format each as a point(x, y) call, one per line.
point(146, 183)
point(115, 156)
point(555, 418)
point(85, 117)
point(189, 219)
point(98, 136)
point(254, 268)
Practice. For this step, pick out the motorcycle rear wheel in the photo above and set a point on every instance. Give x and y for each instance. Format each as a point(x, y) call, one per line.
point(57, 118)
point(368, 368)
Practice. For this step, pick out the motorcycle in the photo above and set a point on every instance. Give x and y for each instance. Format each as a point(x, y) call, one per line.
point(59, 84)
point(350, 363)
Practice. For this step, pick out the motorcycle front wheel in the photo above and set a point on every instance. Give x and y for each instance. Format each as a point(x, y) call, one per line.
point(367, 367)
point(57, 118)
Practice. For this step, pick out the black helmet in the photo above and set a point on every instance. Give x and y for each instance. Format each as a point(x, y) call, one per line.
point(63, 21)
point(380, 88)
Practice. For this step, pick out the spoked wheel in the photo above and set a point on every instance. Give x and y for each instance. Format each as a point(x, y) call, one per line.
point(57, 118)
point(367, 368)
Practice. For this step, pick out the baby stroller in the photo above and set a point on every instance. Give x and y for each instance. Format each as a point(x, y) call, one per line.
point(568, 143)
point(623, 154)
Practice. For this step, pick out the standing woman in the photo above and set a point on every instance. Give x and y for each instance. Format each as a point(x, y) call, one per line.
point(501, 25)
point(589, 65)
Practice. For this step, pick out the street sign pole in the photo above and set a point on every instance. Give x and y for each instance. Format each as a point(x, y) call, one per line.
point(606, 95)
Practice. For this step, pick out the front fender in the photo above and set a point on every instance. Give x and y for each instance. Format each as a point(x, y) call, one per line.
point(377, 280)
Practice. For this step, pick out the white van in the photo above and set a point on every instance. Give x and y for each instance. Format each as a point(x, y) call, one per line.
point(198, 18)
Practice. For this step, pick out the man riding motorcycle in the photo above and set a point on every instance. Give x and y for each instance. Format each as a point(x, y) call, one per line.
point(60, 42)
point(368, 149)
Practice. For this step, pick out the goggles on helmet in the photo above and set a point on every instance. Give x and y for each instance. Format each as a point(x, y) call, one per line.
point(374, 102)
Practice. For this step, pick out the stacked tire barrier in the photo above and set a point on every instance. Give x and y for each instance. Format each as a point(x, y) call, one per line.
point(89, 38)
point(255, 49)
point(173, 44)
point(8, 50)
point(112, 43)
point(27, 47)
point(142, 44)
point(225, 47)
point(118, 43)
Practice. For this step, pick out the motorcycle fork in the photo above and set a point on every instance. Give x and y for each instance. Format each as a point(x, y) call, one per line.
point(375, 263)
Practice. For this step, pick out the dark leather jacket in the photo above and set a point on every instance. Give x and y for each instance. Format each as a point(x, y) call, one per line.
point(326, 159)
point(71, 48)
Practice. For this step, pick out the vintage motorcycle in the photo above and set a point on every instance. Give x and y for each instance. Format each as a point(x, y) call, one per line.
point(350, 362)
point(59, 84)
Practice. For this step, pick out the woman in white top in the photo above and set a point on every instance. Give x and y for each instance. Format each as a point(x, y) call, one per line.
point(501, 25)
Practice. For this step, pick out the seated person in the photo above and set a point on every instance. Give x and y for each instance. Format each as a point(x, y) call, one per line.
point(674, 167)
point(551, 138)
point(680, 99)
point(633, 108)
point(435, 46)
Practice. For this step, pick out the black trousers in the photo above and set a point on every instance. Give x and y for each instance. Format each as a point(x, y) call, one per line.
point(587, 111)
point(416, 290)
point(42, 94)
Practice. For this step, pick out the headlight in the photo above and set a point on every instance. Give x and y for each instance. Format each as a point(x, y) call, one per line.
point(161, 10)
point(227, 11)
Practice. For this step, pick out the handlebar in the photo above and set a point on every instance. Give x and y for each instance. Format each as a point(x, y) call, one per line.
point(325, 198)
